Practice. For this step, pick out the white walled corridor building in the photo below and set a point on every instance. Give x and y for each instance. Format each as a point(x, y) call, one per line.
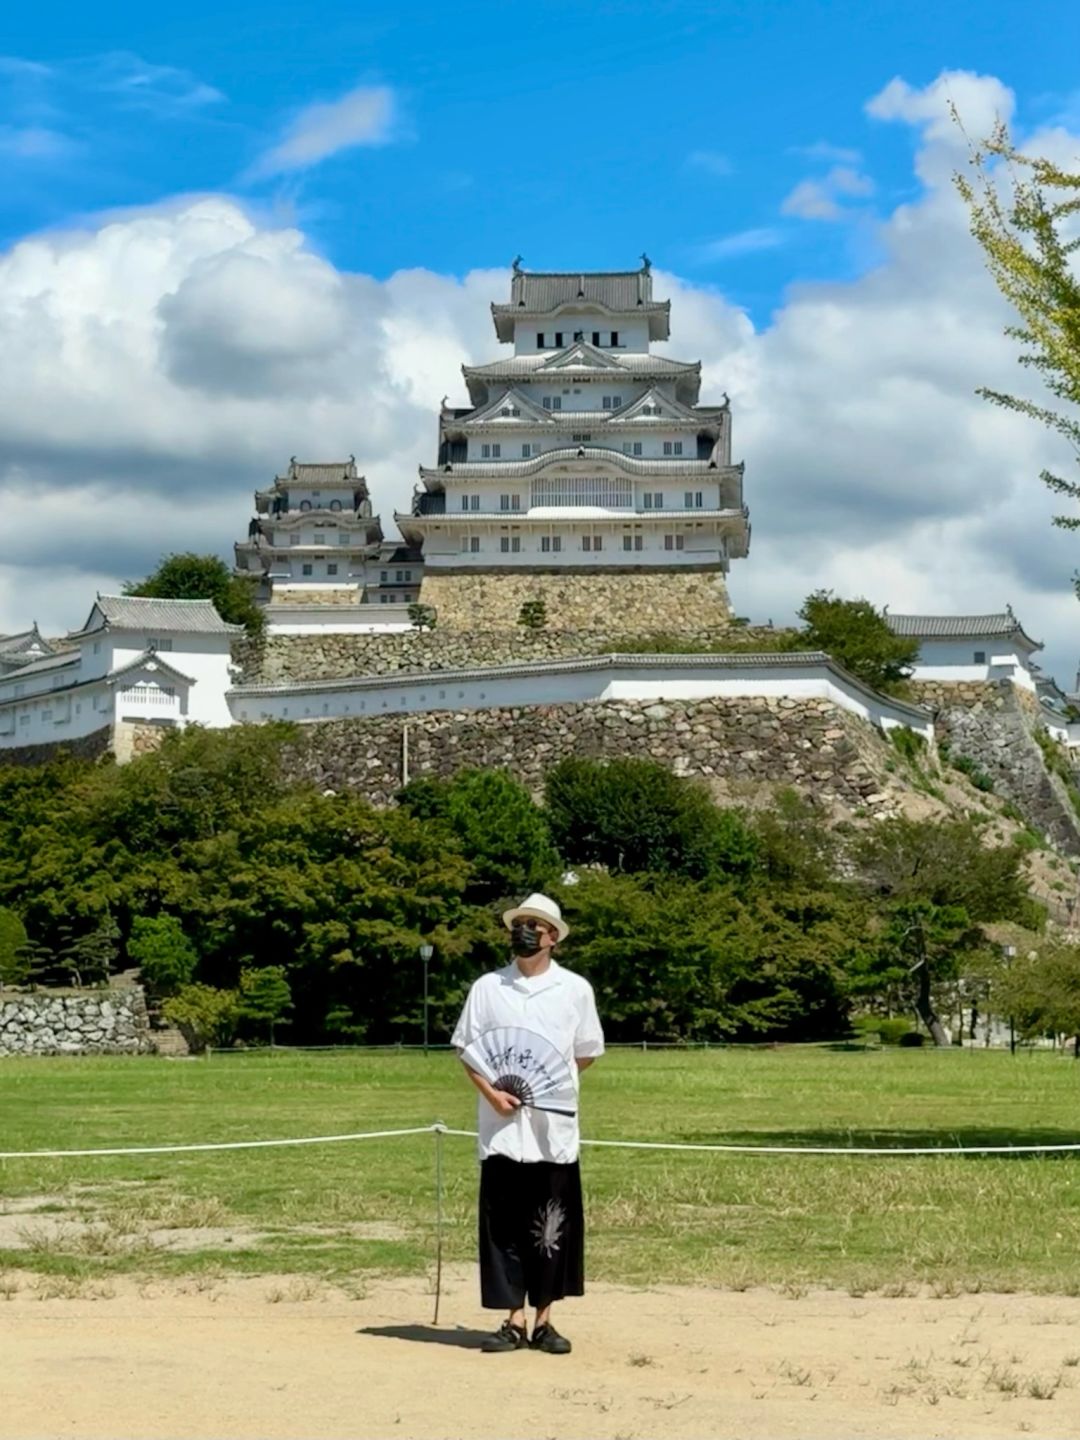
point(164, 661)
point(582, 450)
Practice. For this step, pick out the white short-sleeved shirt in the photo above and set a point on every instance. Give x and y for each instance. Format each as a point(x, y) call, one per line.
point(556, 1004)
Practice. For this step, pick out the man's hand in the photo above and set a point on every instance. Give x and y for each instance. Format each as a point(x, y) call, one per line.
point(502, 1101)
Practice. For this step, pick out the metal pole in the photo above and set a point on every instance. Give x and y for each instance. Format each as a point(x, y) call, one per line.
point(439, 1128)
point(425, 1005)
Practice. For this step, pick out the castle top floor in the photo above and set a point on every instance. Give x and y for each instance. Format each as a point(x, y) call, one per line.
point(609, 309)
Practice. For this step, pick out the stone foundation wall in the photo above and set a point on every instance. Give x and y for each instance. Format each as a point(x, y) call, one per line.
point(273, 659)
point(734, 744)
point(588, 600)
point(87, 747)
point(347, 595)
point(74, 1022)
point(992, 724)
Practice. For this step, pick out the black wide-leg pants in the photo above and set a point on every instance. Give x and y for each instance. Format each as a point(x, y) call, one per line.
point(532, 1233)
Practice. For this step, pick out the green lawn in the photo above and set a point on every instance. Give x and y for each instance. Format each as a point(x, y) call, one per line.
point(339, 1211)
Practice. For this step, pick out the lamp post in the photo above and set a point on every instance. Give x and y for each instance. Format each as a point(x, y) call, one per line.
point(426, 952)
point(1009, 952)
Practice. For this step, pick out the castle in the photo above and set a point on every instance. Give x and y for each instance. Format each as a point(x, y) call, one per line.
point(581, 503)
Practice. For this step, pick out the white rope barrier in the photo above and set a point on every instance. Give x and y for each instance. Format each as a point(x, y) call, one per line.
point(219, 1145)
point(820, 1149)
point(438, 1129)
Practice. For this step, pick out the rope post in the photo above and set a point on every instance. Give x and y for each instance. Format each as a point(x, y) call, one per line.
point(439, 1130)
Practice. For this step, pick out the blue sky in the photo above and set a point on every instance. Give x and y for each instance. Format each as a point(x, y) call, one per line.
point(234, 233)
point(577, 134)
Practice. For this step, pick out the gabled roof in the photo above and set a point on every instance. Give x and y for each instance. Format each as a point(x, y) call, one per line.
point(47, 662)
point(509, 399)
point(582, 354)
point(149, 660)
point(24, 640)
point(957, 627)
point(668, 409)
point(137, 612)
point(322, 472)
point(621, 290)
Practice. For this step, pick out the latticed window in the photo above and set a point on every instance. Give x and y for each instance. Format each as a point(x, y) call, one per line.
point(612, 492)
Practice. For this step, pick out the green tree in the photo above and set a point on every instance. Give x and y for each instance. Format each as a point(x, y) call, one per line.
point(533, 614)
point(634, 815)
point(1023, 211)
point(265, 997)
point(496, 823)
point(204, 1015)
point(935, 883)
point(88, 954)
point(1041, 991)
point(859, 638)
point(13, 967)
point(422, 617)
point(189, 576)
point(164, 954)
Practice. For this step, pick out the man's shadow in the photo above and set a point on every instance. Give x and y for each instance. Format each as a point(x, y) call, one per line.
point(459, 1337)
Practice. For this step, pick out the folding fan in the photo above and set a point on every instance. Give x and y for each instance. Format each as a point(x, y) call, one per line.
point(526, 1065)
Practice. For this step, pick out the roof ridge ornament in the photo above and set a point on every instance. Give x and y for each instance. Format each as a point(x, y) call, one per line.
point(515, 265)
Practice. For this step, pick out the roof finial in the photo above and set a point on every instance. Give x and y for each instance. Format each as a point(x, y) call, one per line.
point(646, 263)
point(516, 265)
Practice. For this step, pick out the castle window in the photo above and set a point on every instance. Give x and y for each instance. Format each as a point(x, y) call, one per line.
point(614, 339)
point(474, 544)
point(504, 502)
point(581, 437)
point(305, 504)
point(504, 544)
point(605, 403)
point(384, 576)
point(980, 657)
point(496, 452)
point(464, 502)
point(627, 542)
point(526, 452)
point(331, 569)
point(540, 340)
point(639, 543)
point(515, 543)
point(678, 447)
point(294, 537)
point(637, 447)
point(515, 502)
point(305, 570)
point(335, 504)
point(556, 542)
point(545, 543)
point(673, 542)
point(474, 502)
point(558, 339)
point(485, 452)
point(596, 337)
point(667, 447)
point(320, 537)
point(384, 599)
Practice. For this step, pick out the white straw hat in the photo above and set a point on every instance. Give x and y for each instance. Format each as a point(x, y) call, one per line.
point(538, 907)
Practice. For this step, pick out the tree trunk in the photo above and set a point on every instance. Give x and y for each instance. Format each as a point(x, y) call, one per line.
point(925, 1010)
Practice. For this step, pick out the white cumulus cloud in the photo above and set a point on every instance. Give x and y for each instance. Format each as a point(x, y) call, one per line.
point(362, 117)
point(820, 199)
point(156, 369)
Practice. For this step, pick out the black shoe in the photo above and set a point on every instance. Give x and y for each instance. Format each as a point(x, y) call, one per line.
point(507, 1337)
point(548, 1339)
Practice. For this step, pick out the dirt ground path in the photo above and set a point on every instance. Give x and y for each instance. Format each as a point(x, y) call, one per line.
point(285, 1358)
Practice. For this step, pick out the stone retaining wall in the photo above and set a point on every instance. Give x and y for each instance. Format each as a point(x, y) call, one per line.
point(74, 1022)
point(992, 724)
point(585, 600)
point(275, 659)
point(734, 744)
point(87, 747)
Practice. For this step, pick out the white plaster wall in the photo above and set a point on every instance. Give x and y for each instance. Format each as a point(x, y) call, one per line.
point(627, 682)
point(633, 333)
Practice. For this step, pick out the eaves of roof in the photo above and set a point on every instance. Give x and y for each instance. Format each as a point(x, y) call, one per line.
point(781, 660)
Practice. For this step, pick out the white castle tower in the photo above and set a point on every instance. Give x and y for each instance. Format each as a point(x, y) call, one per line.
point(582, 451)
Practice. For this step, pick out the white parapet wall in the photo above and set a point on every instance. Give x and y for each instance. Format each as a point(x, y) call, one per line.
point(806, 675)
point(313, 619)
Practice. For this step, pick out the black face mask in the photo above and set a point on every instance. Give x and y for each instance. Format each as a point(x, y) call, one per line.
point(525, 938)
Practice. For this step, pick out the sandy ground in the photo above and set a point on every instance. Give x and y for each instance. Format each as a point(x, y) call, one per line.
point(288, 1358)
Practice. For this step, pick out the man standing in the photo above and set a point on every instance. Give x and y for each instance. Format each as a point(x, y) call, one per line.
point(532, 1231)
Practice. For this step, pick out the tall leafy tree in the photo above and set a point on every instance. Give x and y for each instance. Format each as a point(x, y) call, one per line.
point(1023, 211)
point(188, 576)
point(859, 638)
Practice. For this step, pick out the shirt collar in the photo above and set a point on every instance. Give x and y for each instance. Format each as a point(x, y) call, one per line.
point(533, 985)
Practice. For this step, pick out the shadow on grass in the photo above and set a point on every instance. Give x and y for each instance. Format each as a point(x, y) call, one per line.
point(459, 1337)
point(964, 1137)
